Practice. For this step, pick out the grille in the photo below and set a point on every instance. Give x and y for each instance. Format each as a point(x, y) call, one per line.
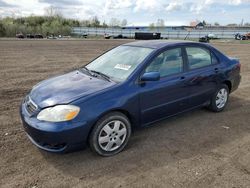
point(31, 107)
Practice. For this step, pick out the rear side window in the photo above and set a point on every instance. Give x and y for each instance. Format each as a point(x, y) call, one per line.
point(214, 59)
point(167, 63)
point(198, 57)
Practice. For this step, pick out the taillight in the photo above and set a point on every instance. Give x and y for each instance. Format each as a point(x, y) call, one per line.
point(238, 65)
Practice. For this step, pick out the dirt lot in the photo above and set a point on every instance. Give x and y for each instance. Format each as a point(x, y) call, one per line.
point(196, 149)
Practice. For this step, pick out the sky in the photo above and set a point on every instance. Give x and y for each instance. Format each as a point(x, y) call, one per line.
point(136, 12)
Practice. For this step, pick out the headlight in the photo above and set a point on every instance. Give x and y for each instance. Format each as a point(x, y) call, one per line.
point(59, 113)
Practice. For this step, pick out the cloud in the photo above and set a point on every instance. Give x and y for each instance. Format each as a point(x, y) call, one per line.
point(147, 5)
point(197, 8)
point(3, 4)
point(238, 2)
point(115, 7)
point(71, 8)
point(83, 13)
point(61, 3)
point(118, 4)
point(173, 6)
point(7, 9)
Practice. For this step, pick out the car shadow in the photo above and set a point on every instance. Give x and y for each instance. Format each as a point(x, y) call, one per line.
point(184, 136)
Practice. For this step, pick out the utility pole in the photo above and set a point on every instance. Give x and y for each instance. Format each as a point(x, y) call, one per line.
point(242, 22)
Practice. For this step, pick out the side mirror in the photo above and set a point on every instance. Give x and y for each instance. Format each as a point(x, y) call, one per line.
point(150, 76)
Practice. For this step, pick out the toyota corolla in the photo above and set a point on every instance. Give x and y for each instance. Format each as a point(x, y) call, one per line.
point(129, 86)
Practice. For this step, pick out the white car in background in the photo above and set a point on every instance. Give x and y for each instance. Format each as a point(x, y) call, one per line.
point(212, 36)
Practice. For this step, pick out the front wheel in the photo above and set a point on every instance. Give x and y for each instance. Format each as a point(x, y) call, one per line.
point(110, 134)
point(220, 99)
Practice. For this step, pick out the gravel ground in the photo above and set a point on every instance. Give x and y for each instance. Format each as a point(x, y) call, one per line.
point(195, 149)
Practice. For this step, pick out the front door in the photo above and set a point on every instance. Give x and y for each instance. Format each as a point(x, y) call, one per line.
point(169, 95)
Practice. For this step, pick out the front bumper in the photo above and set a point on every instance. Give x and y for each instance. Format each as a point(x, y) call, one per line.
point(54, 137)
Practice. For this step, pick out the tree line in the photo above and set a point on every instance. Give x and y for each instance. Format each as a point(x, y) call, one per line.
point(44, 25)
point(51, 24)
point(48, 25)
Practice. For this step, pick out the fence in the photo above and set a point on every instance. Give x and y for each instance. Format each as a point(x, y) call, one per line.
point(165, 33)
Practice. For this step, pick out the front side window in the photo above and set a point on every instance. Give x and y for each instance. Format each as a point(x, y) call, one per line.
point(167, 63)
point(119, 62)
point(198, 57)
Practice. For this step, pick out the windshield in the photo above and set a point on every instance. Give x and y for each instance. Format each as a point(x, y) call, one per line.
point(119, 62)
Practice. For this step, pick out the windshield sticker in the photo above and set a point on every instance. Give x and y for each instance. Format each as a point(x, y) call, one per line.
point(123, 66)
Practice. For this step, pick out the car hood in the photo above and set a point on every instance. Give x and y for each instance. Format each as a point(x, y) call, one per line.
point(66, 88)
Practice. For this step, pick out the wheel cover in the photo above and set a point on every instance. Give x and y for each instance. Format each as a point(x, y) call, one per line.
point(112, 135)
point(221, 98)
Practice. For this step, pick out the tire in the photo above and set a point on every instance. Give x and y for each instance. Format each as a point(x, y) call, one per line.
point(110, 134)
point(219, 99)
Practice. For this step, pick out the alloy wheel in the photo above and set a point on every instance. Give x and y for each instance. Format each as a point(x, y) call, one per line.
point(112, 135)
point(221, 98)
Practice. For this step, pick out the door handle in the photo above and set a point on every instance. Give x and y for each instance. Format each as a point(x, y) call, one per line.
point(182, 78)
point(216, 70)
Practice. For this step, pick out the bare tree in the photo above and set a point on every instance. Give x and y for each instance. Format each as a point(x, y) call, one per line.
point(104, 24)
point(216, 24)
point(95, 22)
point(114, 22)
point(160, 23)
point(151, 26)
point(124, 22)
point(204, 22)
point(232, 25)
point(52, 12)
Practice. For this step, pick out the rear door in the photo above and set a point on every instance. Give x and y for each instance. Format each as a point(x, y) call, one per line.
point(203, 74)
point(169, 95)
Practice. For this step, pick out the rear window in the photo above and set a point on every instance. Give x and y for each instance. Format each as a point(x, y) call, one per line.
point(198, 57)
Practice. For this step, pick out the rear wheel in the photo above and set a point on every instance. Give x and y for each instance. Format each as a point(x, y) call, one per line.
point(220, 99)
point(110, 134)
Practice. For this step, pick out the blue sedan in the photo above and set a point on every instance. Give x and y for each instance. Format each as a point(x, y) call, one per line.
point(132, 85)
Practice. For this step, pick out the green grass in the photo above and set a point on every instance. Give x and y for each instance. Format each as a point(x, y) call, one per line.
point(244, 41)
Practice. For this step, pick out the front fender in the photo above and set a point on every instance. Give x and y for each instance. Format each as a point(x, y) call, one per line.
point(123, 98)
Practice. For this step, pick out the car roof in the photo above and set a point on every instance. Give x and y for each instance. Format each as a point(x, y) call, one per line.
point(157, 44)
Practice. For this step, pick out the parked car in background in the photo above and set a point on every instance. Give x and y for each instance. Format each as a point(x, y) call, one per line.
point(239, 36)
point(247, 36)
point(20, 36)
point(107, 36)
point(132, 85)
point(66, 36)
point(205, 39)
point(212, 36)
point(120, 36)
point(38, 36)
point(147, 36)
point(30, 36)
point(51, 37)
point(84, 35)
